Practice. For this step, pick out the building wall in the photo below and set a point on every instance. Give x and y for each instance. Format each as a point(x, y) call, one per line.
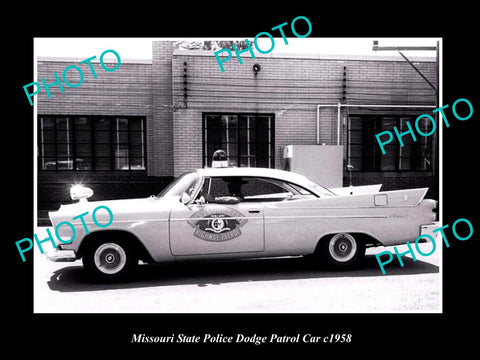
point(161, 130)
point(291, 88)
point(127, 91)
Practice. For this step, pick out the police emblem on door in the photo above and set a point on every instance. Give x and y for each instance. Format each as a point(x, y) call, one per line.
point(217, 224)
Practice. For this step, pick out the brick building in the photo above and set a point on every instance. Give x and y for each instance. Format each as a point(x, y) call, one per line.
point(128, 132)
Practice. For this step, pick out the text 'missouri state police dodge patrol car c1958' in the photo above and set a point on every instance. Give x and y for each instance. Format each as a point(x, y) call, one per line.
point(234, 213)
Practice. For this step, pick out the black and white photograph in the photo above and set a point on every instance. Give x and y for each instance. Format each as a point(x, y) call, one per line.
point(210, 177)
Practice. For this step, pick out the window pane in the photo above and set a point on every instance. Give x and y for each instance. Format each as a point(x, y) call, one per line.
point(64, 163)
point(83, 163)
point(83, 137)
point(103, 163)
point(425, 125)
point(355, 150)
point(355, 123)
point(137, 164)
point(407, 151)
point(82, 123)
point(49, 163)
point(47, 123)
point(244, 149)
point(102, 124)
point(102, 137)
point(121, 124)
point(63, 123)
point(252, 121)
point(422, 164)
point(83, 150)
point(355, 137)
point(369, 163)
point(243, 137)
point(263, 162)
point(356, 163)
point(102, 150)
point(403, 128)
point(64, 149)
point(389, 149)
point(136, 124)
point(423, 150)
point(243, 121)
point(64, 136)
point(136, 150)
point(387, 163)
point(246, 161)
point(388, 123)
point(253, 148)
point(121, 157)
point(48, 137)
point(364, 149)
point(262, 131)
point(232, 150)
point(107, 138)
point(120, 137)
point(262, 150)
point(406, 164)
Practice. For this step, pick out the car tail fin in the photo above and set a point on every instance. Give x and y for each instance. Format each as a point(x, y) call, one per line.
point(410, 197)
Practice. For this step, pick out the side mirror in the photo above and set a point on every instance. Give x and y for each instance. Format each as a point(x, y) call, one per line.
point(80, 192)
point(185, 199)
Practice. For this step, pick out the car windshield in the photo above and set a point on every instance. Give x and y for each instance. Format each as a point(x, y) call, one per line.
point(183, 183)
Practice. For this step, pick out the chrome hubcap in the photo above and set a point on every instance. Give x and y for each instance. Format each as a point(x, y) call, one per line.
point(110, 258)
point(342, 247)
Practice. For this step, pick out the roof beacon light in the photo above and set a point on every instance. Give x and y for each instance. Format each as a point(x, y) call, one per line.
point(219, 159)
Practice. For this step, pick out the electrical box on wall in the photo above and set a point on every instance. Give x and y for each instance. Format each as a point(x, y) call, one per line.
point(322, 164)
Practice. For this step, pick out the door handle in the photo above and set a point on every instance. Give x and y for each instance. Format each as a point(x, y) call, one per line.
point(255, 210)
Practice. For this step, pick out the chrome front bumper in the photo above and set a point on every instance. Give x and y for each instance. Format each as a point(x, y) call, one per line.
point(61, 255)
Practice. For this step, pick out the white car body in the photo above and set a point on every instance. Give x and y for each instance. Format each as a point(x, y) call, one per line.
point(190, 223)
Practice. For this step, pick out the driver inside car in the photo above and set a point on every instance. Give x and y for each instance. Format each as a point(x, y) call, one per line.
point(235, 187)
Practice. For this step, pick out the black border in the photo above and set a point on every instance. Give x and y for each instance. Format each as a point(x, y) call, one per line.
point(377, 335)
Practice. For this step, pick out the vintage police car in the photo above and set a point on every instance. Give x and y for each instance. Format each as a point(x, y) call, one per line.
point(231, 213)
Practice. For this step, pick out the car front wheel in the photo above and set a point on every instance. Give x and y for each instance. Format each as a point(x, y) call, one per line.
point(109, 260)
point(342, 250)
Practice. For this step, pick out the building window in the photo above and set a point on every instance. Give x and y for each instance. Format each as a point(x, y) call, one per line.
point(247, 139)
point(365, 155)
point(91, 143)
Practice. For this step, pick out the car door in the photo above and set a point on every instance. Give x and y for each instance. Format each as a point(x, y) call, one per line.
point(219, 221)
point(292, 224)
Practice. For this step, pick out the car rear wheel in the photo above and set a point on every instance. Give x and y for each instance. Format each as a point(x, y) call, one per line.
point(109, 259)
point(342, 250)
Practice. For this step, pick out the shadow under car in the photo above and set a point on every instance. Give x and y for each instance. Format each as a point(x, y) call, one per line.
point(73, 278)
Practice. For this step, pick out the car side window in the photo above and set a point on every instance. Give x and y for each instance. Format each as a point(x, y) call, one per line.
point(301, 190)
point(222, 189)
point(245, 189)
point(214, 188)
point(263, 189)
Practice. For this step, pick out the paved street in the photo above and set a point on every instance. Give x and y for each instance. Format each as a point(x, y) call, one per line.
point(266, 285)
